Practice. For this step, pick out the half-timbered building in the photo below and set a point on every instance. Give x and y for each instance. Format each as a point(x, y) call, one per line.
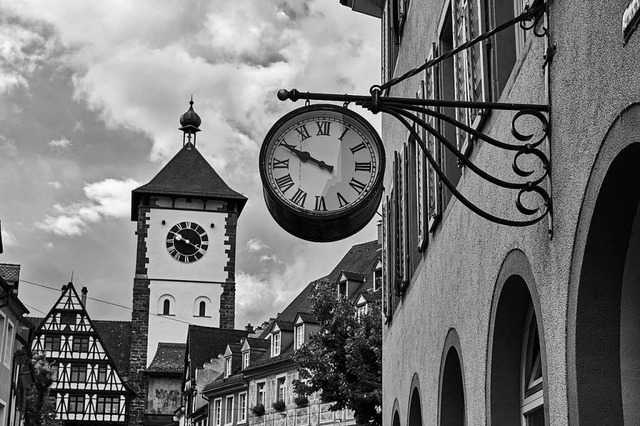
point(88, 389)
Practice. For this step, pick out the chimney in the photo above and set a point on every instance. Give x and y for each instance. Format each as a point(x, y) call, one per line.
point(249, 328)
point(84, 292)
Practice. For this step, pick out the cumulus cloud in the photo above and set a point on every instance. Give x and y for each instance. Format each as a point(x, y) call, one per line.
point(8, 239)
point(105, 199)
point(255, 244)
point(60, 144)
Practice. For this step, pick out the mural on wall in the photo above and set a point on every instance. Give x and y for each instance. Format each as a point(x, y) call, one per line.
point(165, 401)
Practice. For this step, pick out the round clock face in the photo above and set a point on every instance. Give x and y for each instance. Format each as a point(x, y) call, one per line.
point(187, 242)
point(322, 165)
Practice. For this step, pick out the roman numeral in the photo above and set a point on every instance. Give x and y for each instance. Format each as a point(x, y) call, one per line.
point(320, 205)
point(299, 197)
point(363, 167)
point(280, 164)
point(284, 182)
point(342, 200)
point(323, 128)
point(173, 253)
point(303, 133)
point(357, 147)
point(357, 185)
point(344, 133)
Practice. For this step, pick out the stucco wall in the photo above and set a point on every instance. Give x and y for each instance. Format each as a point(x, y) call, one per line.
point(593, 77)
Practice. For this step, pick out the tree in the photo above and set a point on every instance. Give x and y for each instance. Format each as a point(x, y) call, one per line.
point(41, 409)
point(344, 360)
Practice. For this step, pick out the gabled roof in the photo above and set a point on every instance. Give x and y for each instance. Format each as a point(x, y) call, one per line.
point(282, 326)
point(187, 174)
point(169, 358)
point(206, 343)
point(233, 348)
point(304, 317)
point(352, 276)
point(253, 343)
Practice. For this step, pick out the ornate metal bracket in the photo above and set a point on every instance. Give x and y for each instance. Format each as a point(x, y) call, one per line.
point(408, 111)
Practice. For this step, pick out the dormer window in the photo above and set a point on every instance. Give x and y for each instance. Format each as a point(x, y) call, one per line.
point(275, 344)
point(227, 368)
point(342, 288)
point(245, 359)
point(299, 336)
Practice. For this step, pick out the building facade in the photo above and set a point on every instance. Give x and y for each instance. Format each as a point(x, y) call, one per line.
point(256, 385)
point(89, 387)
point(493, 324)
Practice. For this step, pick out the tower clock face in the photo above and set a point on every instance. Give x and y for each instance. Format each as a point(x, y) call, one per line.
point(321, 168)
point(187, 242)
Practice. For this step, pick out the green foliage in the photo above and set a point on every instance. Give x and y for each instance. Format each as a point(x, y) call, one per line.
point(279, 405)
point(258, 410)
point(40, 405)
point(344, 361)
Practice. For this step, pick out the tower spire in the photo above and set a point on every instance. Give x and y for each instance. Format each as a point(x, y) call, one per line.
point(190, 122)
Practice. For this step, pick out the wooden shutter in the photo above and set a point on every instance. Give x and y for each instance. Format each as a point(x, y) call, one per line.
point(433, 185)
point(421, 180)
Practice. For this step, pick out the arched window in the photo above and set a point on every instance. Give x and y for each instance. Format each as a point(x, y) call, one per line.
point(166, 305)
point(202, 307)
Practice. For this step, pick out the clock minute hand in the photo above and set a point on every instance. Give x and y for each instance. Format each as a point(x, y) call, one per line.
point(181, 238)
point(305, 156)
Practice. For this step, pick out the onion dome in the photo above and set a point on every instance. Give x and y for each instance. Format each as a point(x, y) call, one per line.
point(190, 121)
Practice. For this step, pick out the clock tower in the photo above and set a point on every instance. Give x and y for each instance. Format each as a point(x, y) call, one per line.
point(186, 245)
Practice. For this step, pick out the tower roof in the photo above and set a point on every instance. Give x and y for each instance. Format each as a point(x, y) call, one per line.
point(187, 174)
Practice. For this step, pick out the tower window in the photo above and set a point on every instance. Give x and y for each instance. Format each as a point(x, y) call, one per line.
point(166, 307)
point(202, 310)
point(201, 307)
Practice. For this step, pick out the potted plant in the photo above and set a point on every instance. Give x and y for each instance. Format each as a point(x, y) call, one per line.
point(258, 409)
point(301, 400)
point(279, 405)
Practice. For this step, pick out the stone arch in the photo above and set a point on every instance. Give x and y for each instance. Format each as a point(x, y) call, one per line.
point(603, 336)
point(452, 411)
point(514, 305)
point(415, 407)
point(395, 416)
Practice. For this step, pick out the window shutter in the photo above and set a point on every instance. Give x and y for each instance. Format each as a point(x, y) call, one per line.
point(433, 145)
point(397, 215)
point(405, 218)
point(468, 66)
point(421, 176)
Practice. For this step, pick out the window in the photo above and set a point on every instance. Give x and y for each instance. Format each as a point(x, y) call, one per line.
point(246, 356)
point(275, 344)
point(66, 319)
point(52, 343)
point(8, 343)
point(217, 411)
point(228, 412)
point(281, 388)
point(80, 343)
point(202, 308)
point(299, 336)
point(76, 404)
point(102, 373)
point(377, 276)
point(166, 307)
point(242, 407)
point(361, 310)
point(3, 331)
point(342, 288)
point(78, 373)
point(108, 405)
point(532, 401)
point(508, 45)
point(260, 393)
point(227, 368)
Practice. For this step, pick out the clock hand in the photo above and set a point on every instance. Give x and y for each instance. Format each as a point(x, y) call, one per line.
point(181, 238)
point(304, 156)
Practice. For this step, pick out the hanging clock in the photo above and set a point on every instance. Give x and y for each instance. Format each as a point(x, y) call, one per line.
point(322, 168)
point(187, 242)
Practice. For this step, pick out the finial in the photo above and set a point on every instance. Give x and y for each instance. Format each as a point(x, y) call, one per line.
point(71, 280)
point(190, 122)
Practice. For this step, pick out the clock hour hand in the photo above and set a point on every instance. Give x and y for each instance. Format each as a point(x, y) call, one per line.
point(304, 156)
point(181, 238)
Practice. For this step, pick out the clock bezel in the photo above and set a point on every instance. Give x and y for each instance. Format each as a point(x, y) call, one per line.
point(310, 224)
point(188, 258)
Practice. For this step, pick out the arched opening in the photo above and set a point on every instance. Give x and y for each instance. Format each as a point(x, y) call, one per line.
point(516, 364)
point(396, 418)
point(202, 308)
point(607, 310)
point(166, 307)
point(415, 409)
point(452, 404)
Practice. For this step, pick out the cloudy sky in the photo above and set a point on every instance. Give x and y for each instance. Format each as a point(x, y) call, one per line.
point(90, 97)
